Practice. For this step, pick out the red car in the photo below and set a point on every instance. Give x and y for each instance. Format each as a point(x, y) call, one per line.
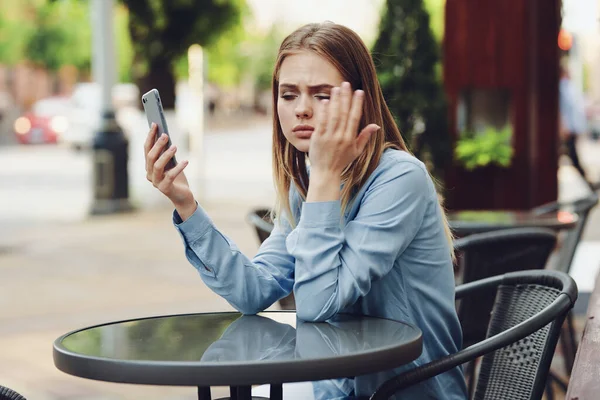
point(46, 121)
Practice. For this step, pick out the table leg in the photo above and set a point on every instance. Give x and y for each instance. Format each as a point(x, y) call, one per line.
point(204, 393)
point(240, 392)
point(276, 392)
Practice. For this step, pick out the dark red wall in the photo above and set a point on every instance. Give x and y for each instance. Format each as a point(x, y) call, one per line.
point(512, 45)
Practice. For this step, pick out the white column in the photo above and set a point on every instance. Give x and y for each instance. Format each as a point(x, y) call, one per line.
point(197, 80)
point(103, 51)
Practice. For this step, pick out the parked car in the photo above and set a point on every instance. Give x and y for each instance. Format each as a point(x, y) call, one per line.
point(86, 111)
point(44, 123)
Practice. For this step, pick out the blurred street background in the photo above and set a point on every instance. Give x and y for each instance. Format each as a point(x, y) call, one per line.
point(62, 268)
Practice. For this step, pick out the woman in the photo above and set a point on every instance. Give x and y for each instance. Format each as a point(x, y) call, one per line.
point(365, 233)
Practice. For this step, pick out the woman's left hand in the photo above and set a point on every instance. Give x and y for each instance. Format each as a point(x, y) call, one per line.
point(335, 143)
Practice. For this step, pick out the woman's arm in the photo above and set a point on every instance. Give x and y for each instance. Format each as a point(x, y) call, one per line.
point(334, 265)
point(248, 285)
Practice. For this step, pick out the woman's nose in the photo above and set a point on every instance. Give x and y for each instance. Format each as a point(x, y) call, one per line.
point(303, 108)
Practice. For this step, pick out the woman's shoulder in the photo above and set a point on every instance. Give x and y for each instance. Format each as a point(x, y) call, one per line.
point(399, 162)
point(401, 171)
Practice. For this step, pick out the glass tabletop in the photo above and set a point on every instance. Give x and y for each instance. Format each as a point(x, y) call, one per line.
point(231, 337)
point(473, 221)
point(207, 348)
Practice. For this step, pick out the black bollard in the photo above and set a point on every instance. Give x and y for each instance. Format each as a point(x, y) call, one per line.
point(111, 180)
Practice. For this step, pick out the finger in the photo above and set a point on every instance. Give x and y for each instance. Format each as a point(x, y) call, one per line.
point(345, 101)
point(323, 117)
point(174, 172)
point(365, 135)
point(159, 166)
point(334, 110)
point(355, 113)
point(157, 149)
point(153, 155)
point(150, 139)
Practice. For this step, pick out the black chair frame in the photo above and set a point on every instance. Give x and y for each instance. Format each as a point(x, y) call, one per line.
point(582, 207)
point(554, 313)
point(9, 394)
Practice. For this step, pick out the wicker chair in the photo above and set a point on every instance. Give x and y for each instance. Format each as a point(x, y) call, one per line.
point(260, 219)
point(528, 312)
point(9, 394)
point(489, 254)
point(582, 208)
point(564, 260)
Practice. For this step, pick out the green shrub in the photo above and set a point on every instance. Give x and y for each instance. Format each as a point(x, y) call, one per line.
point(492, 146)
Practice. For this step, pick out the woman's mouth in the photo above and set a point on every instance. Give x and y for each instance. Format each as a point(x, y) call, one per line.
point(303, 131)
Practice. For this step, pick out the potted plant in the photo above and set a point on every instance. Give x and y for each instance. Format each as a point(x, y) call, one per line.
point(488, 147)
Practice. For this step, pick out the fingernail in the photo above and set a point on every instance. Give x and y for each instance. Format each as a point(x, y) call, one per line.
point(163, 136)
point(152, 126)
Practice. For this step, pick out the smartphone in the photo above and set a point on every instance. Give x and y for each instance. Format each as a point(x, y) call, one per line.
point(155, 114)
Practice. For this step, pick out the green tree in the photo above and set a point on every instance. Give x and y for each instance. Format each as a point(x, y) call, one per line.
point(124, 47)
point(162, 31)
point(15, 28)
point(62, 35)
point(227, 60)
point(406, 55)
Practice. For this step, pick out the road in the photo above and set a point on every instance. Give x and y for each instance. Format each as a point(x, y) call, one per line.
point(49, 184)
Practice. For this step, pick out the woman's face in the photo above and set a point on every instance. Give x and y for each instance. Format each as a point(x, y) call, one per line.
point(305, 79)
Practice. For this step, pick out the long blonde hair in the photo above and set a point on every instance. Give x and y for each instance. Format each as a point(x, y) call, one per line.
point(344, 49)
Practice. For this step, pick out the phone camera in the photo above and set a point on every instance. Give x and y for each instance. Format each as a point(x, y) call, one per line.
point(144, 100)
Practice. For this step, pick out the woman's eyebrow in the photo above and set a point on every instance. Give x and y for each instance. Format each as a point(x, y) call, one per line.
point(312, 88)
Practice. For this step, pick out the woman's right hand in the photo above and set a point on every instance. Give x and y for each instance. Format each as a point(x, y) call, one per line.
point(171, 183)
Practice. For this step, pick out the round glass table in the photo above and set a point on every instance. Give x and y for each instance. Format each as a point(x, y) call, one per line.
point(229, 349)
point(468, 222)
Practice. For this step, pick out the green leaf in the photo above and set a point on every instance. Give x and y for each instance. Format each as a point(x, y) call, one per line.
point(491, 146)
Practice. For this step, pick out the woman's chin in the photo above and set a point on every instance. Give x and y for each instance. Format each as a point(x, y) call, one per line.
point(301, 145)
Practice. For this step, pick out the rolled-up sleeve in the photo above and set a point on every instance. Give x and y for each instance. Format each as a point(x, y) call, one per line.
point(336, 264)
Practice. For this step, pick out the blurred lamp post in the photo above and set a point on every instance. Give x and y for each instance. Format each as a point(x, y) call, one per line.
point(110, 146)
point(197, 73)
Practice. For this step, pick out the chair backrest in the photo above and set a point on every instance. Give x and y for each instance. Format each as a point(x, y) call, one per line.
point(494, 253)
point(260, 219)
point(520, 370)
point(9, 394)
point(529, 310)
point(582, 207)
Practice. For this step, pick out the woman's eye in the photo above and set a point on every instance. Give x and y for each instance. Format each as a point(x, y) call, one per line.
point(286, 96)
point(322, 96)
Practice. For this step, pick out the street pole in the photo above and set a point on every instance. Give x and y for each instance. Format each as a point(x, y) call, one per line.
point(197, 64)
point(110, 146)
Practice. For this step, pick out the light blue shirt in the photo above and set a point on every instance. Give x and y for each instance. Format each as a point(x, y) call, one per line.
point(572, 107)
point(387, 256)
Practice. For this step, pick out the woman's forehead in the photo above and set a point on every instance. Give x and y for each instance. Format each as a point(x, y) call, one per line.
point(308, 68)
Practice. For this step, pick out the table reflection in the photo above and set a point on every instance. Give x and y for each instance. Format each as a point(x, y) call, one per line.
point(231, 337)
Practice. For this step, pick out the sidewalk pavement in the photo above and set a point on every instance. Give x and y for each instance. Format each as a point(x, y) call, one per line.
point(59, 277)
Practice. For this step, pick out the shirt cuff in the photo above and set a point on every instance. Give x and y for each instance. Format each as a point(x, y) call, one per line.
point(195, 226)
point(321, 214)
